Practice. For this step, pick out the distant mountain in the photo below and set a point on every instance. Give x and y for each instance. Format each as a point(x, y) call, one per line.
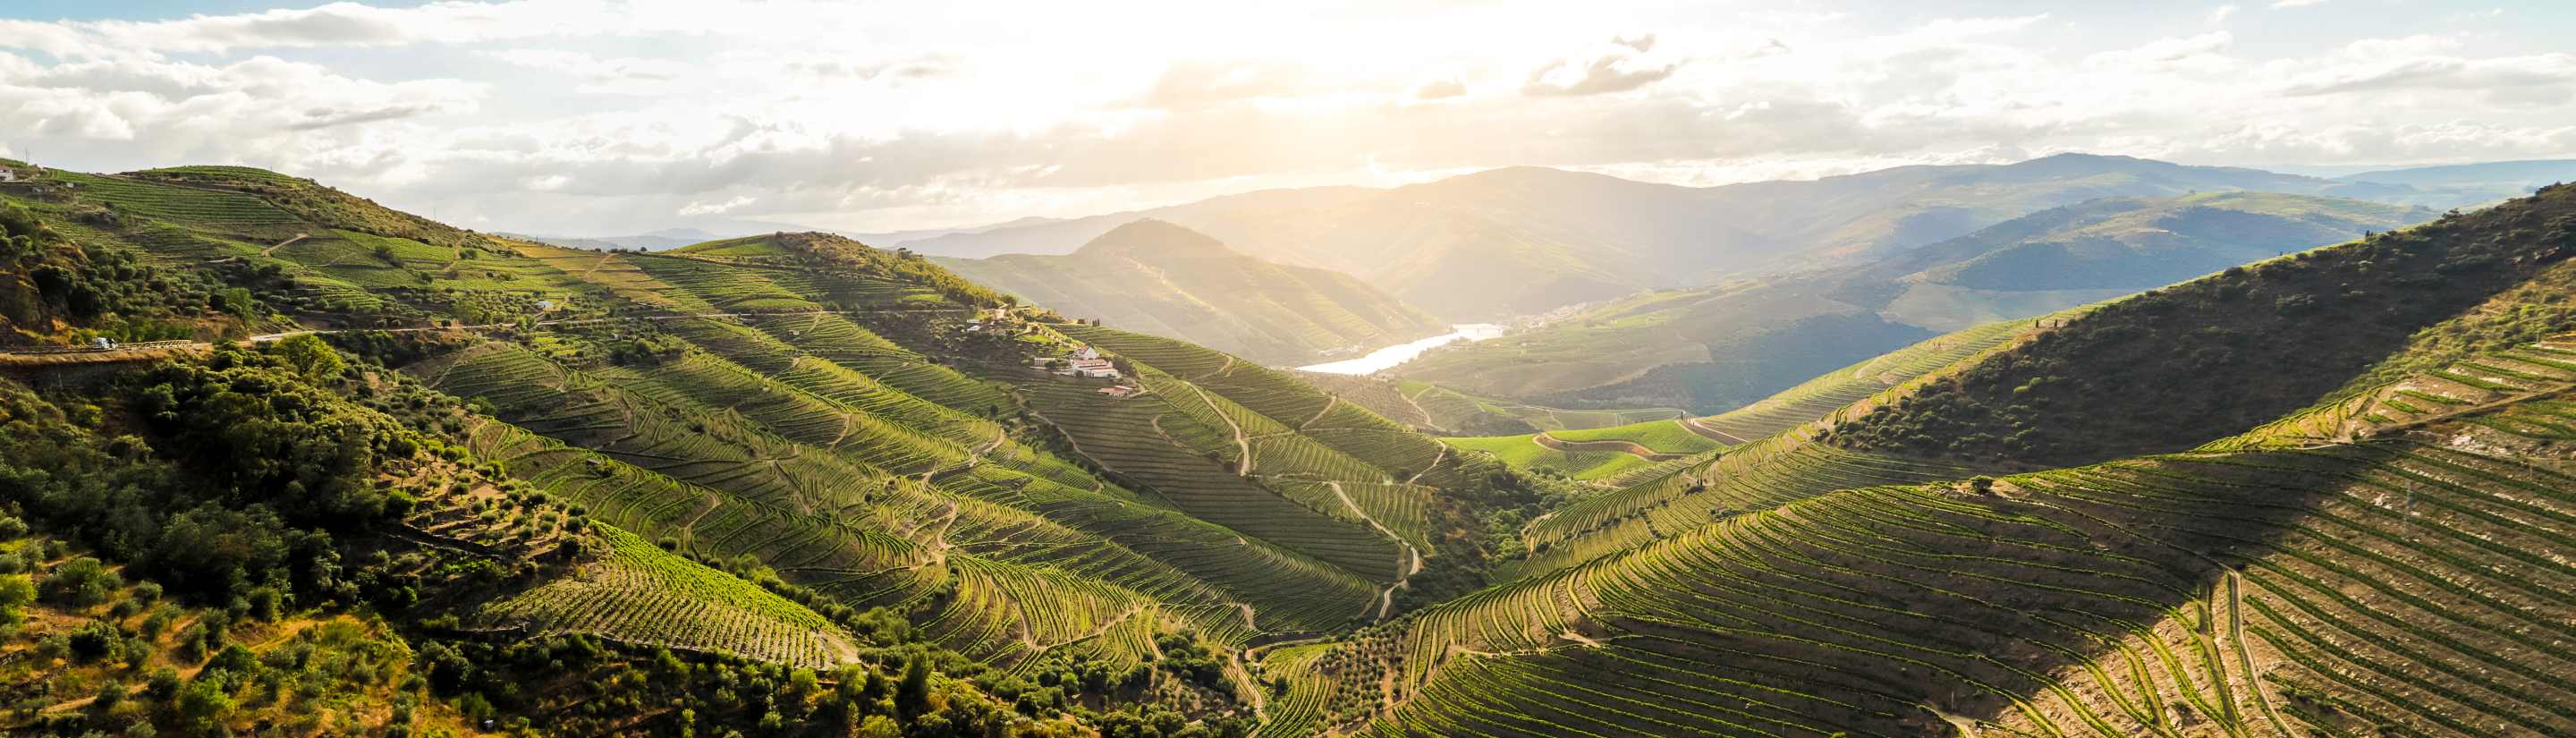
point(2063, 257)
point(1155, 277)
point(1062, 236)
point(661, 240)
point(1526, 239)
point(1714, 348)
point(895, 237)
point(2465, 184)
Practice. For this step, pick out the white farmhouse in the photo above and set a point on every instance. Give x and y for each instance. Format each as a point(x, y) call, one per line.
point(8, 175)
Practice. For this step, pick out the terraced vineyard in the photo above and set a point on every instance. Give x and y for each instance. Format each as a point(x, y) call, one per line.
point(643, 594)
point(1345, 427)
point(817, 426)
point(1816, 397)
point(2298, 592)
point(1221, 538)
point(1457, 411)
point(215, 210)
point(1614, 457)
point(2522, 372)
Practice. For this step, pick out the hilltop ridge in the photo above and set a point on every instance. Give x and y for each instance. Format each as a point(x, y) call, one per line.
point(1162, 278)
point(1532, 239)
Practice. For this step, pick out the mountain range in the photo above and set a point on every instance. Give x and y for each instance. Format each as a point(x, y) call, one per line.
point(1714, 348)
point(1159, 278)
point(1527, 240)
point(661, 240)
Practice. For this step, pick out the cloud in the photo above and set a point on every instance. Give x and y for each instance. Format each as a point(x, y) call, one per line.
point(1440, 89)
point(705, 208)
point(2382, 67)
point(2170, 52)
point(336, 24)
point(1197, 83)
point(177, 103)
point(2296, 3)
point(320, 118)
point(903, 70)
point(626, 74)
point(2218, 16)
point(1619, 68)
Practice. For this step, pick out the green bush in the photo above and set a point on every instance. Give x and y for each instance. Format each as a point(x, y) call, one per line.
point(81, 582)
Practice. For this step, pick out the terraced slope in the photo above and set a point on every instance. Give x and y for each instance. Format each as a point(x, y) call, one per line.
point(1654, 498)
point(2293, 592)
point(297, 248)
point(2382, 563)
point(1333, 458)
point(2219, 355)
point(804, 419)
point(832, 496)
point(1833, 390)
point(642, 594)
point(1458, 412)
point(1344, 427)
point(1597, 454)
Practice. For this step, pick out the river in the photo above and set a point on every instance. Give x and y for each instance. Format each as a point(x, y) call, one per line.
point(1390, 356)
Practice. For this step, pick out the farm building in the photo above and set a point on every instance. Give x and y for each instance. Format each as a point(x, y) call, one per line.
point(1095, 368)
point(8, 175)
point(1118, 391)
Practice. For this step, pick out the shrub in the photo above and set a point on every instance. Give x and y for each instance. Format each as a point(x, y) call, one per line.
point(81, 582)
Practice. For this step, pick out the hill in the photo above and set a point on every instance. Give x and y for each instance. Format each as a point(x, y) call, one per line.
point(2063, 257)
point(794, 485)
point(2368, 563)
point(2450, 185)
point(1527, 240)
point(790, 452)
point(661, 240)
point(2246, 362)
point(1159, 278)
point(1711, 349)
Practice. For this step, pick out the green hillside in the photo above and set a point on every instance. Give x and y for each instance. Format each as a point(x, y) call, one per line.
point(1154, 277)
point(869, 478)
point(796, 485)
point(1706, 350)
point(1596, 454)
point(2372, 564)
point(2110, 247)
point(2124, 379)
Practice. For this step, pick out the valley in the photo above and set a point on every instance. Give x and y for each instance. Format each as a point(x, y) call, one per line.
point(2180, 509)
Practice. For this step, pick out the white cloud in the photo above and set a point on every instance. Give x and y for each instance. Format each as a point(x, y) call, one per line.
point(2171, 52)
point(2296, 3)
point(1440, 89)
point(1622, 66)
point(719, 208)
point(2218, 16)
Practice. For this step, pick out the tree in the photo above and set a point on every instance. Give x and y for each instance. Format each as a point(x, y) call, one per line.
point(16, 591)
point(315, 359)
point(913, 694)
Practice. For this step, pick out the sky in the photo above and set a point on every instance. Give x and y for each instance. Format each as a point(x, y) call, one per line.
point(611, 117)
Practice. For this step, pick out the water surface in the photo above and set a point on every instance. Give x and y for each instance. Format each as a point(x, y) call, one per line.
point(1385, 358)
